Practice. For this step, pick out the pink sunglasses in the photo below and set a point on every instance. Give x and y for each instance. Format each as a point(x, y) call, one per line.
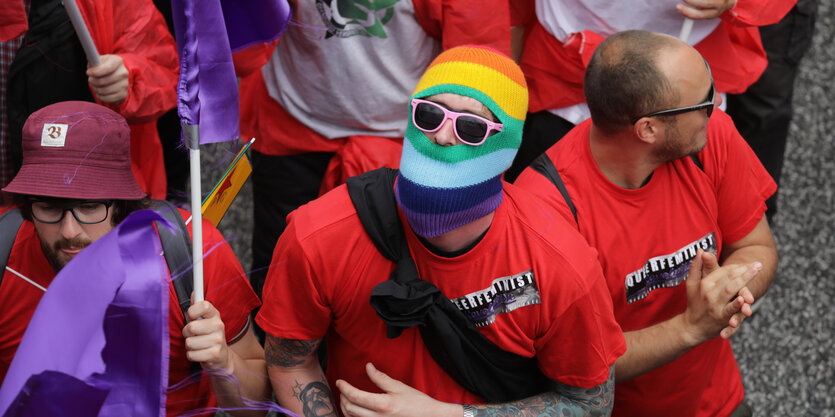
point(470, 129)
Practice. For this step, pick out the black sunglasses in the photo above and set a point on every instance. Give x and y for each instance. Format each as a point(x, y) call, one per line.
point(708, 104)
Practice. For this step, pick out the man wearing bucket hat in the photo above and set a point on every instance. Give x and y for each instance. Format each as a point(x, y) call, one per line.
point(75, 185)
point(478, 292)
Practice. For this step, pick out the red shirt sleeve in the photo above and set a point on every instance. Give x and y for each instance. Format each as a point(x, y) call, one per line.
point(522, 12)
point(582, 340)
point(466, 22)
point(294, 307)
point(742, 183)
point(757, 12)
point(13, 20)
point(226, 285)
point(136, 31)
point(253, 58)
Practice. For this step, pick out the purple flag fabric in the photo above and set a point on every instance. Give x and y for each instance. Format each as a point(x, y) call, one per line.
point(208, 91)
point(98, 341)
point(57, 394)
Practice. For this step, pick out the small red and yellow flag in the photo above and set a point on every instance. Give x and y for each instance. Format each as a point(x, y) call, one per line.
point(225, 191)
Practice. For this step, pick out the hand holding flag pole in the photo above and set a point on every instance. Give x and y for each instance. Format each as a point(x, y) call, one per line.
point(207, 93)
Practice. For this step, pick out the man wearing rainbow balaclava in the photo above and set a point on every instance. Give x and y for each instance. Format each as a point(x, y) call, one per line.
point(476, 250)
point(441, 188)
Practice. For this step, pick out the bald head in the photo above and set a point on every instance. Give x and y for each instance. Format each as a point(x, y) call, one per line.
point(630, 75)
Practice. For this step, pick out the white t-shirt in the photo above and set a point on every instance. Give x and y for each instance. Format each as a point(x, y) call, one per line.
point(562, 18)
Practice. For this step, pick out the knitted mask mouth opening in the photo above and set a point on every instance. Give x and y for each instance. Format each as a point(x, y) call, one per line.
point(441, 188)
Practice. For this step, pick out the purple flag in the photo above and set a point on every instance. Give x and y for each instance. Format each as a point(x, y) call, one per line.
point(98, 341)
point(208, 90)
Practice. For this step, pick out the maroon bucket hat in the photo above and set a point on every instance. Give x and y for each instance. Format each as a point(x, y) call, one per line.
point(76, 149)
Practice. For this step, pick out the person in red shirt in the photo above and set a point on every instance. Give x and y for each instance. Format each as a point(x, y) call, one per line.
point(328, 104)
point(82, 191)
point(511, 267)
point(673, 199)
point(561, 35)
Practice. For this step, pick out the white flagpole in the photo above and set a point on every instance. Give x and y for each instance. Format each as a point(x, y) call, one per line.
point(686, 28)
point(82, 32)
point(191, 136)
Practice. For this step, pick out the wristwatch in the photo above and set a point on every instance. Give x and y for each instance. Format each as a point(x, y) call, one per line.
point(469, 411)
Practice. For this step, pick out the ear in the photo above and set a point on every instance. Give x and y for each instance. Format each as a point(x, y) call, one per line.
point(647, 130)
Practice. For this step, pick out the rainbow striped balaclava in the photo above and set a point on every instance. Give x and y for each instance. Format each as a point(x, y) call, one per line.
point(441, 188)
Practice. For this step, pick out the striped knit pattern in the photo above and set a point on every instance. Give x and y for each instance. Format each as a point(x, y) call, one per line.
point(441, 188)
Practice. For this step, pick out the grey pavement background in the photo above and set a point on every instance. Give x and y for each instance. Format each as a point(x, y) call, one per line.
point(785, 351)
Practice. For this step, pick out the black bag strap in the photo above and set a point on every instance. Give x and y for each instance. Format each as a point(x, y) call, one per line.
point(405, 300)
point(10, 222)
point(176, 246)
point(543, 165)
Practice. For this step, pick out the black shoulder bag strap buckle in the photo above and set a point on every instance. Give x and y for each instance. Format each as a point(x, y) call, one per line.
point(404, 301)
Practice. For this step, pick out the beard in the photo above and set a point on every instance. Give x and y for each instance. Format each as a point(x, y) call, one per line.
point(675, 147)
point(58, 259)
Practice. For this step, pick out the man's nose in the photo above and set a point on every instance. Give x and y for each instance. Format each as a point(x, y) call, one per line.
point(69, 226)
point(445, 136)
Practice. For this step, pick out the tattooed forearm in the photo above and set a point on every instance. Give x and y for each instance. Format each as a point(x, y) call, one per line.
point(564, 401)
point(289, 352)
point(316, 399)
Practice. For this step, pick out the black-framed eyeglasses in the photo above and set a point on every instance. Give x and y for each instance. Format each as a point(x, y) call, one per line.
point(85, 211)
point(708, 104)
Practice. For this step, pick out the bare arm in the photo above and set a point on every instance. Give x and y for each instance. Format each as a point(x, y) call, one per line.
point(297, 378)
point(565, 400)
point(716, 299)
point(401, 400)
point(757, 246)
point(236, 371)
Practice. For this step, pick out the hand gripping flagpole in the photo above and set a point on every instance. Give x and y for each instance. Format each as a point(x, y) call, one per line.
point(207, 93)
point(191, 136)
point(82, 32)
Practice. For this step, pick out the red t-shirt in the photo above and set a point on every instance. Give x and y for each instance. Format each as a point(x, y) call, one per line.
point(647, 238)
point(325, 266)
point(225, 283)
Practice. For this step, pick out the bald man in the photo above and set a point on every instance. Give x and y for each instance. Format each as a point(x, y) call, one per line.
point(663, 186)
